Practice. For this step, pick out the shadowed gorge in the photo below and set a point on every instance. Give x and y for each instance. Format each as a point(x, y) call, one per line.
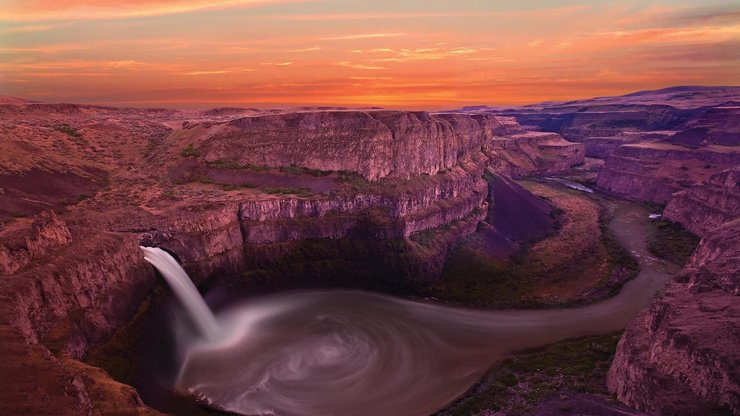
point(349, 352)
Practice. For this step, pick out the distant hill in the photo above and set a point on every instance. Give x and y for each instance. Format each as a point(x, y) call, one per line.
point(684, 97)
point(6, 99)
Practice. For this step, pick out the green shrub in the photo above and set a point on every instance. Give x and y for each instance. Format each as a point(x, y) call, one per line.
point(670, 241)
point(190, 151)
point(299, 170)
point(67, 129)
point(287, 191)
point(234, 165)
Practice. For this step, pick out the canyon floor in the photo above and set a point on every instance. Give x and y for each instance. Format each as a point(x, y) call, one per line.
point(458, 206)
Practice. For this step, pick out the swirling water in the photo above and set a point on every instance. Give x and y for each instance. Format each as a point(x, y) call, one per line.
point(359, 353)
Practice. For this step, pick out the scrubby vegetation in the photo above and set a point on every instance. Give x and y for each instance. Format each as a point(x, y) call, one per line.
point(518, 383)
point(298, 170)
point(287, 191)
point(426, 237)
point(205, 179)
point(233, 187)
point(68, 130)
point(473, 278)
point(670, 241)
point(117, 355)
point(582, 263)
point(190, 151)
point(233, 165)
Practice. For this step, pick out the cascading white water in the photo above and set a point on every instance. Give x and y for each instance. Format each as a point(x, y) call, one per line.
point(350, 353)
point(184, 289)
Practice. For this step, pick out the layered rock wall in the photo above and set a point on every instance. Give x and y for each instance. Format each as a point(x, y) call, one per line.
point(653, 172)
point(375, 144)
point(70, 280)
point(680, 356)
point(706, 206)
point(47, 232)
point(217, 237)
point(532, 153)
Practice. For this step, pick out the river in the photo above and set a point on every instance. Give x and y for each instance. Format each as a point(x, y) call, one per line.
point(354, 353)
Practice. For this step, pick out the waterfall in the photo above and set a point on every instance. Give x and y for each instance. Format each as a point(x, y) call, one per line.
point(184, 289)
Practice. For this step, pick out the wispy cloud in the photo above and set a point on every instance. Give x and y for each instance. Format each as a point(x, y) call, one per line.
point(33, 28)
point(339, 52)
point(206, 73)
point(39, 10)
point(348, 64)
point(310, 49)
point(358, 36)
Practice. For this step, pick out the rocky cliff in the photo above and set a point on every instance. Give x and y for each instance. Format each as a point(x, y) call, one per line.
point(680, 356)
point(375, 144)
point(706, 206)
point(708, 111)
point(69, 289)
point(379, 195)
point(532, 153)
point(655, 171)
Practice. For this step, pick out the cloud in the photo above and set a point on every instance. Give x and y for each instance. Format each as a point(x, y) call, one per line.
point(705, 15)
point(425, 55)
point(357, 36)
point(347, 64)
point(39, 10)
point(33, 28)
point(206, 72)
point(428, 14)
point(311, 49)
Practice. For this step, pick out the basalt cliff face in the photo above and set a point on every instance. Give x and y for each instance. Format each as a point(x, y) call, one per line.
point(704, 207)
point(235, 193)
point(690, 116)
point(374, 144)
point(526, 153)
point(680, 356)
point(654, 143)
point(655, 171)
point(680, 147)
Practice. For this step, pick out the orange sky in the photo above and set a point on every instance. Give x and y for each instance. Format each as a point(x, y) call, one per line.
point(410, 53)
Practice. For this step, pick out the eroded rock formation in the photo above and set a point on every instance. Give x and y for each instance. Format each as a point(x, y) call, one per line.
point(655, 171)
point(308, 193)
point(706, 206)
point(680, 356)
point(375, 144)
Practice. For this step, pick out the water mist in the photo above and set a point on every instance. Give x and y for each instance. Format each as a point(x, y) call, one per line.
point(356, 353)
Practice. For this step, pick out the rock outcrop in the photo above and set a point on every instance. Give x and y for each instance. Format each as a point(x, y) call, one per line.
point(680, 356)
point(655, 171)
point(375, 144)
point(532, 153)
point(69, 289)
point(47, 232)
point(706, 206)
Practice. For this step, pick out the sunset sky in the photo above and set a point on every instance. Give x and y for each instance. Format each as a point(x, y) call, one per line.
point(395, 53)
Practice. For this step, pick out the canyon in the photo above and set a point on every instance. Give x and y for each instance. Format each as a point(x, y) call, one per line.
point(366, 198)
point(654, 143)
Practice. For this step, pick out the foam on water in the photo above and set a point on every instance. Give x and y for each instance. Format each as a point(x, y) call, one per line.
point(356, 353)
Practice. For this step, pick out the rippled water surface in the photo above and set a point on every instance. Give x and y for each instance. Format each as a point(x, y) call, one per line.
point(358, 353)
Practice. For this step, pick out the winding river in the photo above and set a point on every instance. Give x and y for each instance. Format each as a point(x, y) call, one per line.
point(355, 353)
